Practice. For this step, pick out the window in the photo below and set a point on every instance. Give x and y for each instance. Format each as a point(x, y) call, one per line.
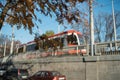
point(81, 39)
point(31, 47)
point(38, 74)
point(20, 50)
point(72, 39)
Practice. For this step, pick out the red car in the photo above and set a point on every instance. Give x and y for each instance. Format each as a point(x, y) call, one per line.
point(47, 75)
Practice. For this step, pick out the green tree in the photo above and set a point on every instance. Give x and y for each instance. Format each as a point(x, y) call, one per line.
point(22, 12)
point(49, 33)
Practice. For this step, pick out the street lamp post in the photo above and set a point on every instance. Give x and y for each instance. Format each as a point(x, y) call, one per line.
point(91, 28)
point(114, 24)
point(12, 43)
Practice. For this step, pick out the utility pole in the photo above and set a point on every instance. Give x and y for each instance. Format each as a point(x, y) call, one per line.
point(114, 24)
point(114, 20)
point(12, 43)
point(91, 27)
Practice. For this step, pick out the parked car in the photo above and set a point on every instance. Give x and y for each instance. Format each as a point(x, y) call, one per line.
point(2, 72)
point(47, 75)
point(16, 74)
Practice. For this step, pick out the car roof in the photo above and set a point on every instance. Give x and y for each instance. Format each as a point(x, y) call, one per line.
point(15, 69)
point(51, 72)
point(47, 71)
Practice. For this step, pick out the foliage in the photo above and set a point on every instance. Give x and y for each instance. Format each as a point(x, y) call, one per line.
point(49, 33)
point(44, 43)
point(22, 12)
point(104, 30)
point(83, 26)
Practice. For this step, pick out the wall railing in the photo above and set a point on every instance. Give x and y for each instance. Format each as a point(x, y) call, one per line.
point(107, 48)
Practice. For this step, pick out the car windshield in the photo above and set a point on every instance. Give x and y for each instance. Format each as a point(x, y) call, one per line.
point(16, 71)
point(55, 73)
point(72, 39)
point(38, 73)
point(24, 72)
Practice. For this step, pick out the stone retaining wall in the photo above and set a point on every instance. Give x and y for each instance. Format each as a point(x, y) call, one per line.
point(76, 67)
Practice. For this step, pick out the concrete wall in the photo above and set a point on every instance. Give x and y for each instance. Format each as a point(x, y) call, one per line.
point(78, 68)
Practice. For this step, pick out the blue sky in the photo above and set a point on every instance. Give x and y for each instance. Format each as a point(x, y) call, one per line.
point(106, 6)
point(48, 23)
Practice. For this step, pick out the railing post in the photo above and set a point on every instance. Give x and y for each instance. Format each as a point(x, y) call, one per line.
point(95, 48)
point(115, 46)
point(87, 46)
point(111, 46)
point(77, 50)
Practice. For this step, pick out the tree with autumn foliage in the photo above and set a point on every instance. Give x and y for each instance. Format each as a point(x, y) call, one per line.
point(22, 12)
point(44, 43)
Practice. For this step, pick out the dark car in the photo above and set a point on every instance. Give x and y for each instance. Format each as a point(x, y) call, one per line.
point(16, 74)
point(47, 75)
point(2, 72)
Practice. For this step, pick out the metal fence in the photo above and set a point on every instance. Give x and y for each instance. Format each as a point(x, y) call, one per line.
point(107, 48)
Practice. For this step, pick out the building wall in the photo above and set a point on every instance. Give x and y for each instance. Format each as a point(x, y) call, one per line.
point(75, 68)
